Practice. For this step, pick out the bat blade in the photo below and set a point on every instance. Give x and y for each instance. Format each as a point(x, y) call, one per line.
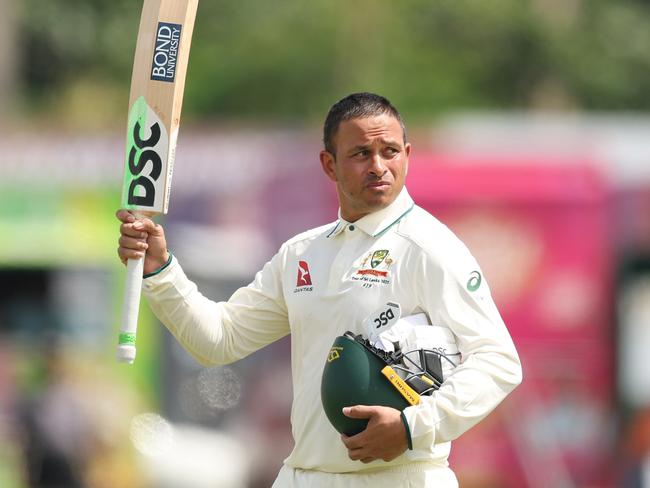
point(157, 86)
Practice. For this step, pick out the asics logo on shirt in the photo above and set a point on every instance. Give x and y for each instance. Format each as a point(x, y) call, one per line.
point(474, 281)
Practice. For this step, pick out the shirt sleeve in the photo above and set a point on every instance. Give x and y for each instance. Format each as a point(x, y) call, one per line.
point(220, 332)
point(454, 294)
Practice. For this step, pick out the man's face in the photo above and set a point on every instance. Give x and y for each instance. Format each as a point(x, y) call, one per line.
point(369, 164)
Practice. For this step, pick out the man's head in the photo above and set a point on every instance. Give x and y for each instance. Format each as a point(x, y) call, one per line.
point(366, 153)
point(357, 106)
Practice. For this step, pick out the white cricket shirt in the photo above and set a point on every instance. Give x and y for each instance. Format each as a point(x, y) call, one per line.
point(326, 281)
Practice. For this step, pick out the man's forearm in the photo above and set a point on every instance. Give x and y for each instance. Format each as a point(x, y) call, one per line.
point(474, 389)
point(193, 319)
point(216, 332)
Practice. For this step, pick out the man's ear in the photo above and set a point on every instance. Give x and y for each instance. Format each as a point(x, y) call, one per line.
point(327, 162)
point(407, 150)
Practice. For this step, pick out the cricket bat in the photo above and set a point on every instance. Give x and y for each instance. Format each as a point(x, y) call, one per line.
point(157, 85)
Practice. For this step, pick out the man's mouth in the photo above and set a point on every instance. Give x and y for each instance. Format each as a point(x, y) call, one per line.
point(378, 184)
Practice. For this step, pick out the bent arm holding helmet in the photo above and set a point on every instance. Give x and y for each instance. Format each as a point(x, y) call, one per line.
point(490, 367)
point(455, 296)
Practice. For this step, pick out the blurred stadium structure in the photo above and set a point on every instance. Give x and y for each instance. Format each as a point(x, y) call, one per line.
point(554, 204)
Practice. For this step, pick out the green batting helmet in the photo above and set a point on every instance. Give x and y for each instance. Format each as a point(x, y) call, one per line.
point(352, 376)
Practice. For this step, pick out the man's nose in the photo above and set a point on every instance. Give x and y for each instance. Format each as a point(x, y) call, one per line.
point(377, 165)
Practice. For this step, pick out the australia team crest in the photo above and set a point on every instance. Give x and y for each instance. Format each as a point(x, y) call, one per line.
point(375, 268)
point(378, 257)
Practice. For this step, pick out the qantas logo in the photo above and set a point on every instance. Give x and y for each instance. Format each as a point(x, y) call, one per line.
point(303, 282)
point(304, 278)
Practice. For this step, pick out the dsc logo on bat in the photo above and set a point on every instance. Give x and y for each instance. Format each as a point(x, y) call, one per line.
point(139, 156)
point(148, 167)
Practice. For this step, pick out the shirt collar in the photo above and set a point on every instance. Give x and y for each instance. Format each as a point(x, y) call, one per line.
point(378, 222)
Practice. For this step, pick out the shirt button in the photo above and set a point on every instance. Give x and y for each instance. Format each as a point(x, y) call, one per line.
point(351, 227)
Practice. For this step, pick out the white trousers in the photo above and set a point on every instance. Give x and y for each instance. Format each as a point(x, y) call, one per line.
point(416, 475)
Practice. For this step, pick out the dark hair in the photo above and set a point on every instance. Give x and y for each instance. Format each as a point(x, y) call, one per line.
point(356, 106)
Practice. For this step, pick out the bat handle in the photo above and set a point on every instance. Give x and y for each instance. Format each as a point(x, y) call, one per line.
point(128, 329)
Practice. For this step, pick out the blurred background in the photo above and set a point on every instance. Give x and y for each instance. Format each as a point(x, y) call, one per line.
point(531, 132)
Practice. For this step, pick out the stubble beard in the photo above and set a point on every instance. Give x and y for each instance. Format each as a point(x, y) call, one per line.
point(362, 203)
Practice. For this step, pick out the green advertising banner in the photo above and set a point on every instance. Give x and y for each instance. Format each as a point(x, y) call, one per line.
point(69, 235)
